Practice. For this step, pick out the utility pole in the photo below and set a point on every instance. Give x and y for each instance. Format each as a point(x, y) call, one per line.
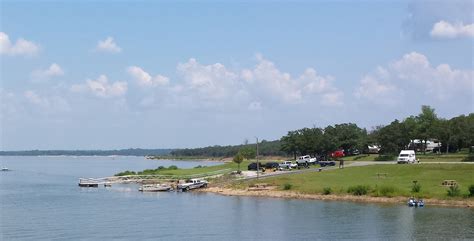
point(258, 164)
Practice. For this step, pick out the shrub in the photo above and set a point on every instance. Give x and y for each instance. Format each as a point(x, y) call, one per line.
point(358, 190)
point(469, 158)
point(160, 168)
point(385, 191)
point(471, 190)
point(198, 166)
point(416, 188)
point(385, 158)
point(327, 190)
point(125, 173)
point(172, 167)
point(453, 191)
point(287, 186)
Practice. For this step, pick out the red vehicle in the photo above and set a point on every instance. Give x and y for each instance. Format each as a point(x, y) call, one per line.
point(338, 153)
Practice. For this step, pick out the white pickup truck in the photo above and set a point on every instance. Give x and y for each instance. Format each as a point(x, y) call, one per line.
point(192, 184)
point(287, 165)
point(306, 160)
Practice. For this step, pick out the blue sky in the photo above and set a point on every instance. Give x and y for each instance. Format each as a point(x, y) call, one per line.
point(119, 74)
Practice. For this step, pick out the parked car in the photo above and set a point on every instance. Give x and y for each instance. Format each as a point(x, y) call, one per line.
point(373, 149)
point(288, 165)
point(271, 165)
point(303, 161)
point(406, 157)
point(351, 152)
point(327, 163)
point(253, 166)
point(337, 154)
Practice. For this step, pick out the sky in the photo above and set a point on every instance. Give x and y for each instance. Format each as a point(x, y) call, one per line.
point(176, 74)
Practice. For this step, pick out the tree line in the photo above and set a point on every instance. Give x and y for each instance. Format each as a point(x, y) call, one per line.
point(454, 134)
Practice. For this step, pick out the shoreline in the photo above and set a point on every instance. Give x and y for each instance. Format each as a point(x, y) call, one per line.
point(332, 197)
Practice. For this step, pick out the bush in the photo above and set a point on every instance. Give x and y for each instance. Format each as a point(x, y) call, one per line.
point(358, 190)
point(327, 190)
point(385, 191)
point(198, 166)
point(287, 186)
point(125, 173)
point(471, 190)
point(385, 158)
point(160, 168)
point(416, 188)
point(172, 167)
point(469, 158)
point(453, 191)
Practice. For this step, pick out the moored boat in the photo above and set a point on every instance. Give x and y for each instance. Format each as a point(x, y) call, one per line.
point(155, 188)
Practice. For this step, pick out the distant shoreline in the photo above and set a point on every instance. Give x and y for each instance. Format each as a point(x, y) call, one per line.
point(361, 199)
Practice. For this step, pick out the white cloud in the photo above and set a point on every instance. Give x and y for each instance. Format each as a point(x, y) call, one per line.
point(376, 87)
point(52, 71)
point(209, 82)
point(108, 45)
point(102, 88)
point(413, 73)
point(144, 79)
point(275, 84)
point(20, 47)
point(48, 103)
point(443, 29)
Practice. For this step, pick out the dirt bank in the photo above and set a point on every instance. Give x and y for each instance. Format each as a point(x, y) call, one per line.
point(469, 203)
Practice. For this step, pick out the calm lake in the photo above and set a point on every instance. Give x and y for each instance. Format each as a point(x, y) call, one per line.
point(40, 200)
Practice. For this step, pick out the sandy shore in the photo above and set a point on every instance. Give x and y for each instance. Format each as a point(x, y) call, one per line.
point(365, 199)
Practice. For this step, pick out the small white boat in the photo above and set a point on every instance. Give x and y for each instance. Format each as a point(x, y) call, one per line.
point(155, 188)
point(5, 169)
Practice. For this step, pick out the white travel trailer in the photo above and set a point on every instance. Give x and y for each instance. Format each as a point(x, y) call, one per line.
point(407, 156)
point(430, 145)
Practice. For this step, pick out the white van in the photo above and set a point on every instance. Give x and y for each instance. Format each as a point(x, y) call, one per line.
point(407, 156)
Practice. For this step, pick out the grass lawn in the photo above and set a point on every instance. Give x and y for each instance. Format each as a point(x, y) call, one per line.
point(429, 157)
point(398, 182)
point(195, 171)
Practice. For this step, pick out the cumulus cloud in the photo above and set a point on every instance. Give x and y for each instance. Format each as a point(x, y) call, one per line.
point(48, 103)
point(108, 45)
point(144, 79)
point(101, 87)
point(414, 72)
point(209, 82)
point(20, 47)
point(275, 84)
point(52, 71)
point(377, 87)
point(443, 29)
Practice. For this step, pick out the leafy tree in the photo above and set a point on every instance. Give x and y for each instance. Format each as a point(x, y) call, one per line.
point(426, 122)
point(289, 143)
point(248, 152)
point(238, 159)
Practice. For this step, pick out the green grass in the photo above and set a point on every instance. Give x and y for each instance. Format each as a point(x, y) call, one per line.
point(196, 171)
point(429, 157)
point(399, 180)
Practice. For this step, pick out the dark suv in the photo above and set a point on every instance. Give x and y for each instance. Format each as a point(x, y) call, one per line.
point(253, 166)
point(271, 165)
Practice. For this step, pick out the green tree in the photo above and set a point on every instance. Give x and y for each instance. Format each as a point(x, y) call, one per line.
point(289, 143)
point(238, 159)
point(426, 123)
point(248, 152)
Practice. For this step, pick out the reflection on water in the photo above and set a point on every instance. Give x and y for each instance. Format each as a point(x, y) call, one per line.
point(40, 200)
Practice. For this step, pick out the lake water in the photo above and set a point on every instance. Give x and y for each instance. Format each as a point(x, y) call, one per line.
point(40, 200)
